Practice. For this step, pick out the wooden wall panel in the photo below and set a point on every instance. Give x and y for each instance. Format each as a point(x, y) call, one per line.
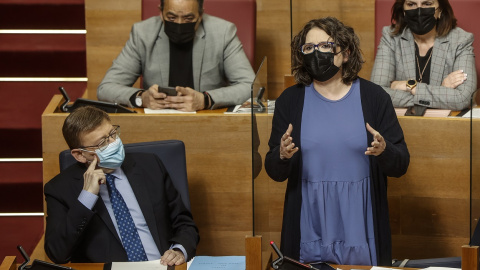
point(475, 173)
point(429, 206)
point(426, 247)
point(108, 24)
point(273, 41)
point(273, 31)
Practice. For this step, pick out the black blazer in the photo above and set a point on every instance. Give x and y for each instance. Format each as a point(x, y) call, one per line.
point(77, 234)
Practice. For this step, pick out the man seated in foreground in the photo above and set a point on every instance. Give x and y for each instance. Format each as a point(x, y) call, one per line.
point(198, 54)
point(111, 206)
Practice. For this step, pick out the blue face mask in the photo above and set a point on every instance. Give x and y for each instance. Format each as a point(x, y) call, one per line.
point(112, 157)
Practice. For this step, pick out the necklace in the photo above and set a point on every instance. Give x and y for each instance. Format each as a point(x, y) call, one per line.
point(424, 67)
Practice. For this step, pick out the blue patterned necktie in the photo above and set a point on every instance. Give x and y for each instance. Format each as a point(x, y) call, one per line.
point(128, 232)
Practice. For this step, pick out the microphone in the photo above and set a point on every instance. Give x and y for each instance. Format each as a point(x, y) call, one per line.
point(274, 246)
point(25, 256)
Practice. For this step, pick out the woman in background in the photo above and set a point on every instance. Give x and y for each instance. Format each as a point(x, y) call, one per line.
point(336, 138)
point(425, 60)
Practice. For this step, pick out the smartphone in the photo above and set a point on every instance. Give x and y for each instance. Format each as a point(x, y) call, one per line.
point(170, 91)
point(416, 111)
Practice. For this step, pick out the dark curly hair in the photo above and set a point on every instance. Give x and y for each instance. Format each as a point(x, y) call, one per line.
point(200, 5)
point(445, 23)
point(344, 38)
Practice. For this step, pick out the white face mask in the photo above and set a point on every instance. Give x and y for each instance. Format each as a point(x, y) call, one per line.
point(112, 157)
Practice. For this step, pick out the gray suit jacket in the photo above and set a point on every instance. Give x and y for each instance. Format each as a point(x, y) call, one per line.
point(395, 61)
point(220, 65)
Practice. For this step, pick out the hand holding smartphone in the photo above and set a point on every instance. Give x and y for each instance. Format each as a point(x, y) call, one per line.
point(169, 91)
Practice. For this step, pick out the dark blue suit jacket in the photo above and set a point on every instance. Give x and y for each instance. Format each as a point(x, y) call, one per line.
point(77, 234)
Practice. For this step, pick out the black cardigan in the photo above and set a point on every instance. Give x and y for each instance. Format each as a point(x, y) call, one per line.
point(378, 111)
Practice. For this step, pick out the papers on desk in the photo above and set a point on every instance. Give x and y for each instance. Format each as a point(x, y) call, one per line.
point(380, 268)
point(437, 113)
point(247, 107)
point(441, 268)
point(162, 111)
point(197, 263)
point(240, 109)
point(476, 113)
point(215, 262)
point(400, 111)
point(429, 268)
point(218, 262)
point(148, 265)
point(428, 112)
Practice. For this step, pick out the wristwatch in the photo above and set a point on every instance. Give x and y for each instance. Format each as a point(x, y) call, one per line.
point(411, 84)
point(206, 100)
point(138, 99)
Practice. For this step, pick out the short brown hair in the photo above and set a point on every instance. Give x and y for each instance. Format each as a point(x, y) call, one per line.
point(83, 119)
point(445, 23)
point(343, 36)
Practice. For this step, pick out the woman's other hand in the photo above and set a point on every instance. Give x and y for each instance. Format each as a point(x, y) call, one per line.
point(378, 144)
point(454, 79)
point(287, 147)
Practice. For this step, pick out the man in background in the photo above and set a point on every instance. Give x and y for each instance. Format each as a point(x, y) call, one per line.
point(197, 54)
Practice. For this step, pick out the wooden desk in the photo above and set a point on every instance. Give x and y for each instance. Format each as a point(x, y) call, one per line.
point(9, 263)
point(87, 266)
point(99, 266)
point(429, 206)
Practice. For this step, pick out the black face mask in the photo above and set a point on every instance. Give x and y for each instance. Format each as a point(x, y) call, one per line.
point(421, 20)
point(180, 33)
point(320, 65)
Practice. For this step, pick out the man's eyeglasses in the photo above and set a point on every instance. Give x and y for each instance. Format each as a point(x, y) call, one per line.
point(325, 47)
point(105, 141)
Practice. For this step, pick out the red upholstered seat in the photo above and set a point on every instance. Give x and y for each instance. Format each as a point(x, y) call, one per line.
point(25, 231)
point(466, 12)
point(243, 13)
point(383, 13)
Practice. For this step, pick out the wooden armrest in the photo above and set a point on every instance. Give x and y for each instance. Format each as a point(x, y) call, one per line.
point(469, 257)
point(9, 263)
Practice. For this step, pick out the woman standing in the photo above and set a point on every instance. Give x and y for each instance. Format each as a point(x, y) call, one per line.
point(336, 138)
point(425, 60)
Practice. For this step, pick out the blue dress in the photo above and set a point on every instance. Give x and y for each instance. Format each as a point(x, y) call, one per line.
point(336, 221)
